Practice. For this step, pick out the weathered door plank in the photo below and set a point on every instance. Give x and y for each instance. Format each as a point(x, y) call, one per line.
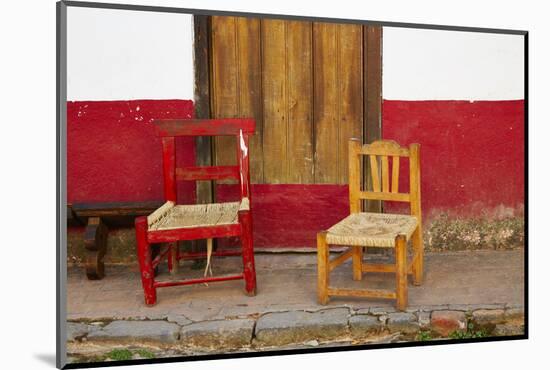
point(338, 97)
point(275, 100)
point(250, 88)
point(237, 84)
point(300, 102)
point(225, 96)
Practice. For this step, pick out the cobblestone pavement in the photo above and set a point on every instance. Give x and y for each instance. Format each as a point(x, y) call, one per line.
point(463, 292)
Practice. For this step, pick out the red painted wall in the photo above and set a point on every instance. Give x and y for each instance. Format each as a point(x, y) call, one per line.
point(113, 153)
point(472, 153)
point(472, 162)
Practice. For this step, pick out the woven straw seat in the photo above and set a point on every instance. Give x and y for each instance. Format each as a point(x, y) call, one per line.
point(172, 216)
point(371, 229)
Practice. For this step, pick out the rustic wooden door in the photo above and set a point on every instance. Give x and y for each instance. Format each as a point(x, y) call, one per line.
point(311, 86)
point(304, 83)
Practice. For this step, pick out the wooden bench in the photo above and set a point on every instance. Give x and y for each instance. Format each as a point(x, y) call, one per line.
point(98, 218)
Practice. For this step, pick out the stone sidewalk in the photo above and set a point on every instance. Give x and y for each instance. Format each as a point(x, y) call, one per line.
point(464, 293)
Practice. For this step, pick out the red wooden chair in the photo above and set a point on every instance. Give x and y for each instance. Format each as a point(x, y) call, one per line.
point(172, 222)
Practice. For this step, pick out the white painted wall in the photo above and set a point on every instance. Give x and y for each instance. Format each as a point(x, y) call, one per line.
point(451, 65)
point(124, 55)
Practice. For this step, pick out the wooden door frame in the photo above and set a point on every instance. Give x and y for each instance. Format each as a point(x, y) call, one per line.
point(203, 144)
point(372, 98)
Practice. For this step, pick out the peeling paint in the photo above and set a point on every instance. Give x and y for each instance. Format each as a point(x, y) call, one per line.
point(244, 148)
point(115, 155)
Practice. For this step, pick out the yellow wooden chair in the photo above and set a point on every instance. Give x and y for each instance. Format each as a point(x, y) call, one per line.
point(363, 229)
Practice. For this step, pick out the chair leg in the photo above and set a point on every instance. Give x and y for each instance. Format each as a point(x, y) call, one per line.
point(245, 220)
point(145, 261)
point(401, 271)
point(418, 265)
point(322, 268)
point(357, 260)
point(169, 255)
point(173, 258)
point(155, 251)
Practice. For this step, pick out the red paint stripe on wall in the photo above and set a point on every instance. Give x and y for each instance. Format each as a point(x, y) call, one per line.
point(291, 215)
point(472, 153)
point(113, 153)
point(472, 162)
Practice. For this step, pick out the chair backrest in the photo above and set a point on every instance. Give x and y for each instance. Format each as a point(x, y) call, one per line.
point(378, 153)
point(169, 129)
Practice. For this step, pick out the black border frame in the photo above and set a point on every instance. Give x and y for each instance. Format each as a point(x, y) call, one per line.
point(61, 162)
point(61, 184)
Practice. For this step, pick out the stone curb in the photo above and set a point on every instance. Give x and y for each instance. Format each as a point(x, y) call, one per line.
point(135, 331)
point(277, 329)
point(218, 333)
